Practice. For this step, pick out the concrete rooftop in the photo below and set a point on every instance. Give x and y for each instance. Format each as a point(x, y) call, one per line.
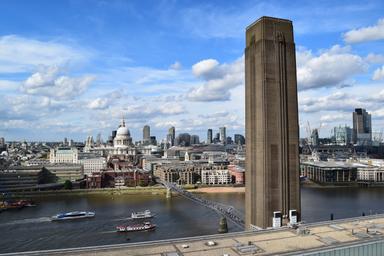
point(284, 241)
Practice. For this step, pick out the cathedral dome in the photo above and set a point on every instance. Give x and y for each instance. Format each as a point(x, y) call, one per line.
point(123, 131)
point(123, 137)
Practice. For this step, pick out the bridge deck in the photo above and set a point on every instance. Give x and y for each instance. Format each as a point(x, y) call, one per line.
point(233, 215)
point(284, 241)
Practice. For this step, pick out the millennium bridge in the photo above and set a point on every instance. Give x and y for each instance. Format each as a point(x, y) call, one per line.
point(227, 211)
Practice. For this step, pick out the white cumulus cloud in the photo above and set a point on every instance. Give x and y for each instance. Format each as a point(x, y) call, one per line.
point(332, 67)
point(176, 66)
point(370, 33)
point(337, 101)
point(378, 74)
point(98, 103)
point(374, 58)
point(49, 82)
point(205, 68)
point(335, 117)
point(219, 79)
point(19, 54)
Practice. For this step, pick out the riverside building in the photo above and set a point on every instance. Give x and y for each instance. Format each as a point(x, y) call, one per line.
point(215, 177)
point(70, 155)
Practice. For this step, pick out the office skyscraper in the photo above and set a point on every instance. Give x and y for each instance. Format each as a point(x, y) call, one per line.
point(2, 145)
point(223, 135)
point(239, 139)
point(362, 127)
point(195, 139)
point(152, 140)
point(146, 133)
point(342, 135)
point(171, 136)
point(183, 140)
point(209, 136)
point(271, 118)
point(216, 139)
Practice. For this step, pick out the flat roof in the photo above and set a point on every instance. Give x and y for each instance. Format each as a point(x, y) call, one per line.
point(269, 18)
point(283, 241)
point(334, 164)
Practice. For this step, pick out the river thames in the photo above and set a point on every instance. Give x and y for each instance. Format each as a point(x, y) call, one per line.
point(31, 228)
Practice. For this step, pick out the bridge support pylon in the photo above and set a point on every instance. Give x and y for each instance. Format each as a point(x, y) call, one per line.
point(169, 193)
point(223, 227)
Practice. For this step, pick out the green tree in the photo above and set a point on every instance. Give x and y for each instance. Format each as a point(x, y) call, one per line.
point(142, 183)
point(45, 177)
point(152, 182)
point(67, 184)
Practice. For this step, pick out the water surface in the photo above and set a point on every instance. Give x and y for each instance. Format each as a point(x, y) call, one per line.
point(31, 229)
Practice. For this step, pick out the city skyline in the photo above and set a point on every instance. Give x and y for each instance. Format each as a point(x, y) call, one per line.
point(57, 81)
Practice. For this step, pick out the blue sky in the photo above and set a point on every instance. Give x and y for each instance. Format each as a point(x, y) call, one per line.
point(74, 68)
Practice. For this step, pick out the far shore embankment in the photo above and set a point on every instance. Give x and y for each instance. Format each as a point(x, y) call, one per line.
point(214, 190)
point(153, 190)
point(150, 190)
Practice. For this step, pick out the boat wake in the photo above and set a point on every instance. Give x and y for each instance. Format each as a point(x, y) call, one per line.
point(27, 221)
point(107, 232)
point(129, 218)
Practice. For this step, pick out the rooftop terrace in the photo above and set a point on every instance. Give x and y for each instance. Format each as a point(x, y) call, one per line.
point(364, 235)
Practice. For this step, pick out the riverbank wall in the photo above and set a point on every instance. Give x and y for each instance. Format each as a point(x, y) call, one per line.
point(155, 190)
point(84, 192)
point(311, 184)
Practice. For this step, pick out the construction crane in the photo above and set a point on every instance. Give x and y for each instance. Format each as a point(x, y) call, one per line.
point(378, 136)
point(311, 133)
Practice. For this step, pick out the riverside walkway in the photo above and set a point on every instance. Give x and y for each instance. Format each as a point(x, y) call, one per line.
point(228, 211)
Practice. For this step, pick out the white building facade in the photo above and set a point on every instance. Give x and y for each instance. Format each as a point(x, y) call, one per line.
point(63, 155)
point(70, 155)
point(91, 165)
point(214, 177)
point(372, 174)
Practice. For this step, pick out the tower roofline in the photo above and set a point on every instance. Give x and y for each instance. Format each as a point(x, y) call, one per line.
point(268, 18)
